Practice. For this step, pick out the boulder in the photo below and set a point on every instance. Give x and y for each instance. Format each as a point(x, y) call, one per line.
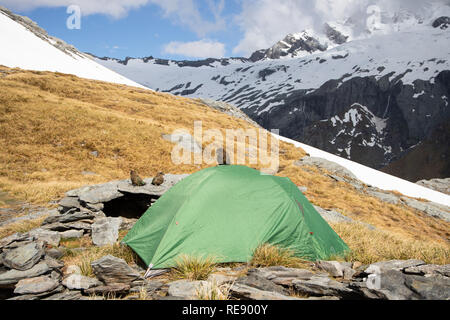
point(23, 257)
point(112, 270)
point(77, 282)
point(36, 285)
point(105, 231)
point(99, 193)
point(395, 285)
point(11, 277)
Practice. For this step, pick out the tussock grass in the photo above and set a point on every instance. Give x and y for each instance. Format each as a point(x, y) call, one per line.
point(193, 267)
point(369, 246)
point(267, 255)
point(212, 291)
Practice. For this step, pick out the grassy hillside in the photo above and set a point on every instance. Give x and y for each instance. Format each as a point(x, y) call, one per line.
point(50, 123)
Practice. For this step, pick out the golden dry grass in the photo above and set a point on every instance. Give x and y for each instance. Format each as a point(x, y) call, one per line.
point(369, 246)
point(193, 267)
point(267, 255)
point(20, 226)
point(50, 122)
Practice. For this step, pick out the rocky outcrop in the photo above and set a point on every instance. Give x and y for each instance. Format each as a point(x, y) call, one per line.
point(441, 185)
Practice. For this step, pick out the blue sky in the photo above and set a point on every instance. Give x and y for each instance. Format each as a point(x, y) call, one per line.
point(187, 29)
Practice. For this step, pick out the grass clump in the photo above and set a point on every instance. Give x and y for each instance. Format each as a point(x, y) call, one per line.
point(193, 267)
point(267, 255)
point(212, 291)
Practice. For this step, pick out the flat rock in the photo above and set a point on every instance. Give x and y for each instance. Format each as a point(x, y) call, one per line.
point(429, 208)
point(11, 277)
point(50, 237)
point(100, 193)
point(77, 282)
point(185, 288)
point(54, 253)
point(71, 269)
point(68, 203)
point(70, 217)
point(429, 269)
point(383, 196)
point(398, 265)
point(327, 165)
point(149, 189)
point(71, 234)
point(36, 285)
point(242, 291)
point(112, 270)
point(23, 257)
point(105, 231)
point(261, 283)
point(16, 237)
point(61, 227)
point(322, 286)
point(66, 295)
point(118, 288)
point(149, 286)
point(332, 216)
point(337, 269)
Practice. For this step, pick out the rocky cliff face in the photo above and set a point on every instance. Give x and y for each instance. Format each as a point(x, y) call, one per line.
point(372, 100)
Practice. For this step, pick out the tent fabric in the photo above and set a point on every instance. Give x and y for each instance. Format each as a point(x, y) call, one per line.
point(226, 212)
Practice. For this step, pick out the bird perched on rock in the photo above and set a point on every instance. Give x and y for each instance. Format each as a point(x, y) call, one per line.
point(158, 180)
point(136, 180)
point(222, 157)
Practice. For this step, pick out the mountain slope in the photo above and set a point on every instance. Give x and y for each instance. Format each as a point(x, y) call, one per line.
point(401, 78)
point(95, 132)
point(25, 45)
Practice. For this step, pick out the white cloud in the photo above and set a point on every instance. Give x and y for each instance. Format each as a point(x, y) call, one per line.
point(182, 12)
point(196, 49)
point(264, 22)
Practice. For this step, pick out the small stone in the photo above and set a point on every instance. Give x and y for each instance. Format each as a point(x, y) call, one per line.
point(78, 282)
point(185, 288)
point(71, 269)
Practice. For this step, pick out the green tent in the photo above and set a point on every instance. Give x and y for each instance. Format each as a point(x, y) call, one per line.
point(227, 212)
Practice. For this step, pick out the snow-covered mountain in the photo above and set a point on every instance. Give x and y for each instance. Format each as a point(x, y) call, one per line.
point(25, 45)
point(397, 75)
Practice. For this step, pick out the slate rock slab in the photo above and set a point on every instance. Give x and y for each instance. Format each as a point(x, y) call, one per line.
point(429, 269)
point(322, 286)
point(118, 288)
point(11, 277)
point(77, 282)
point(24, 257)
point(242, 291)
point(51, 237)
point(113, 270)
point(185, 288)
point(36, 285)
point(398, 265)
point(105, 231)
point(261, 283)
